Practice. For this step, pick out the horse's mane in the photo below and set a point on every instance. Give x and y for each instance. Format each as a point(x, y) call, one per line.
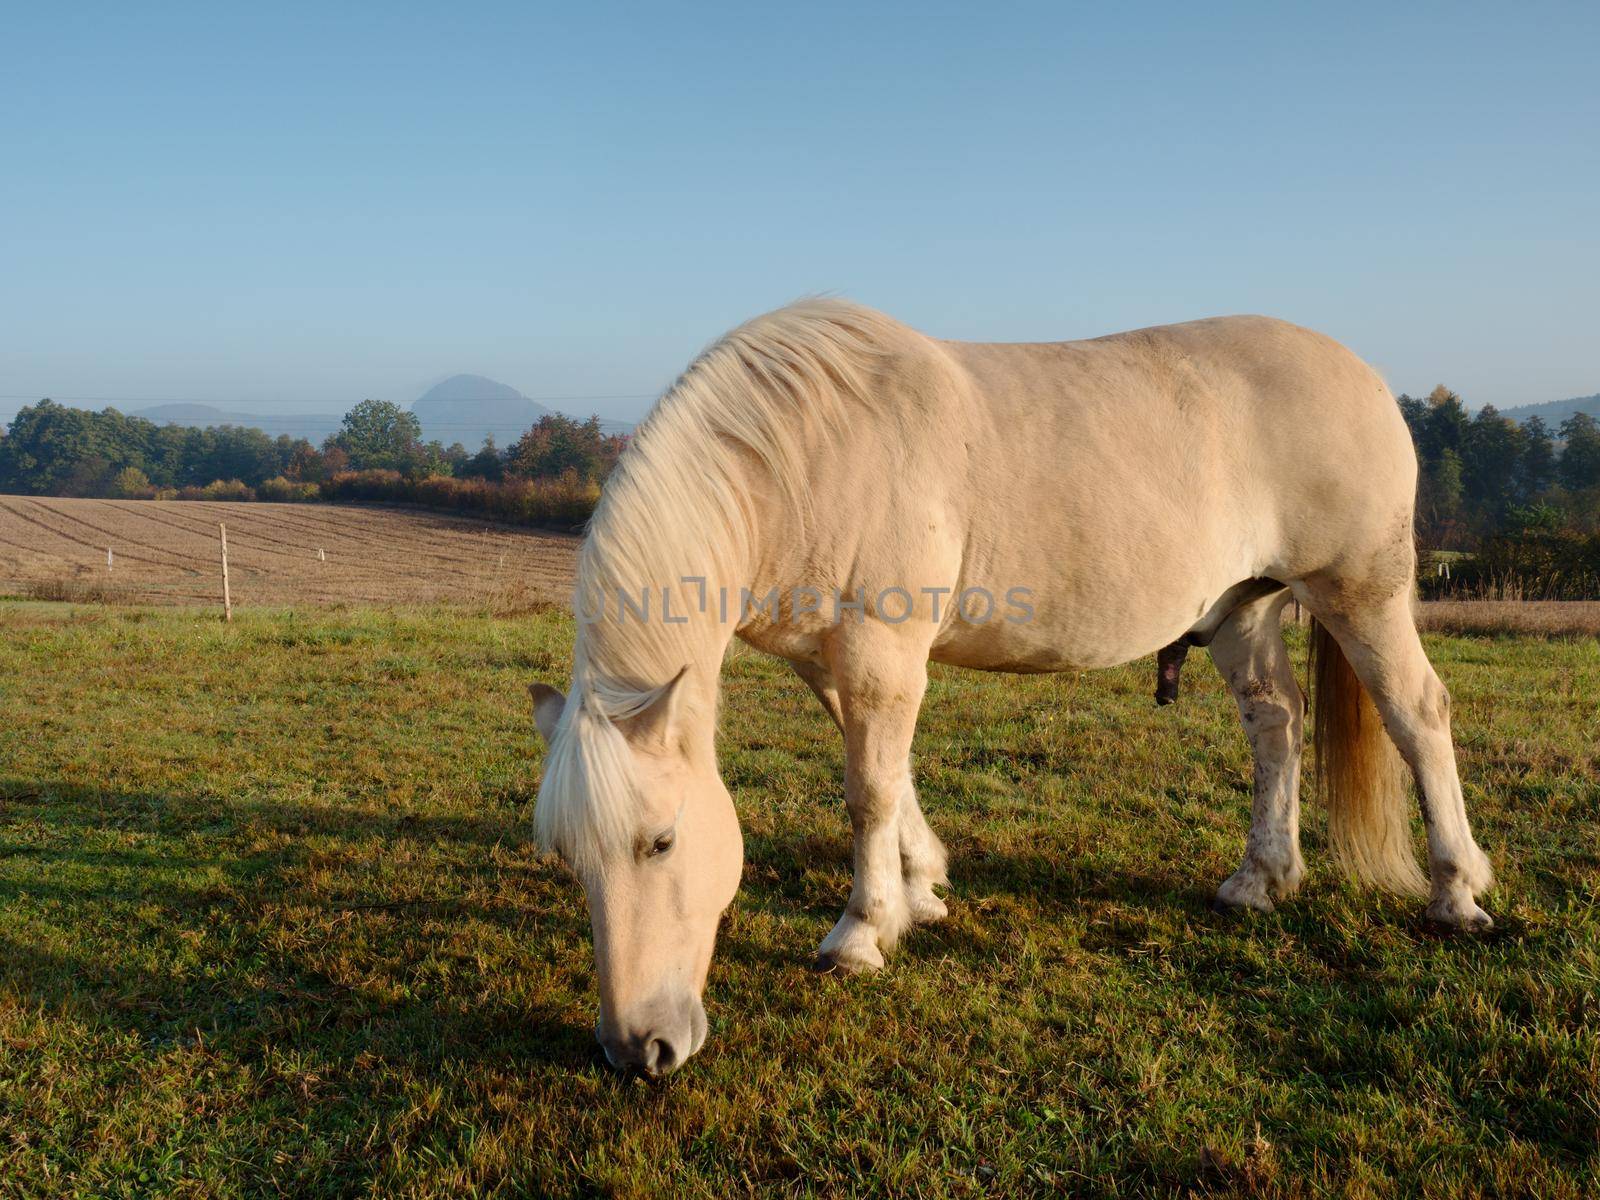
point(679, 504)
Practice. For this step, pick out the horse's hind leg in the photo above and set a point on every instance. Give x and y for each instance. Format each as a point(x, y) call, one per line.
point(922, 855)
point(1250, 653)
point(881, 678)
point(1380, 640)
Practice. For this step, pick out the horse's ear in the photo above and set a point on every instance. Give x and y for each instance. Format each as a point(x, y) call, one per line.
point(547, 706)
point(656, 727)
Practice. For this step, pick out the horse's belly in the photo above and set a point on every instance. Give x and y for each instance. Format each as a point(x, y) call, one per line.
point(1041, 640)
point(1061, 620)
point(1109, 573)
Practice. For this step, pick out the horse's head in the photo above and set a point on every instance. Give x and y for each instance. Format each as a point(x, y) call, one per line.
point(637, 808)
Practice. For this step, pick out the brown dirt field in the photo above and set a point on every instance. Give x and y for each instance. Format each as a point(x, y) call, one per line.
point(166, 552)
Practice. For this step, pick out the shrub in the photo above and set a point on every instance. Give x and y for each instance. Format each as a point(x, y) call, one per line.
point(131, 483)
point(288, 491)
point(79, 591)
point(218, 489)
point(1533, 565)
point(564, 502)
point(374, 484)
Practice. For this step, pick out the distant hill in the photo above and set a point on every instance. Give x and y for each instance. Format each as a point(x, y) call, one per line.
point(468, 408)
point(313, 427)
point(1556, 411)
point(463, 408)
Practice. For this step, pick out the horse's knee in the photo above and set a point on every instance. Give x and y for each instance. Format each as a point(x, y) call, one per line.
point(873, 803)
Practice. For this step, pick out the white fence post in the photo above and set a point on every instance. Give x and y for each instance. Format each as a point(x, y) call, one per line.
point(227, 599)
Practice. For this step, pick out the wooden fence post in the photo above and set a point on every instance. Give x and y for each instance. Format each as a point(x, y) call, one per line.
point(227, 599)
point(109, 560)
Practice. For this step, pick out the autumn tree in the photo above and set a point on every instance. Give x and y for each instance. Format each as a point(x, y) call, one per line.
point(558, 444)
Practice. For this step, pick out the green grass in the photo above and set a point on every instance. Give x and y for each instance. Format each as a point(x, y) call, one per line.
point(271, 922)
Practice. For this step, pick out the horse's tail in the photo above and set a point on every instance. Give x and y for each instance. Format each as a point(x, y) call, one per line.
point(1362, 776)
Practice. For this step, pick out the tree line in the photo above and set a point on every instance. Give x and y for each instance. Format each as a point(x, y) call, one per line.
point(378, 453)
point(1508, 510)
point(1482, 476)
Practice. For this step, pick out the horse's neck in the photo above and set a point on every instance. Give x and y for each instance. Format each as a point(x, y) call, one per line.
point(645, 639)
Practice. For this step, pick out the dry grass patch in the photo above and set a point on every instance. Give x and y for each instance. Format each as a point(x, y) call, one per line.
point(1539, 618)
point(81, 589)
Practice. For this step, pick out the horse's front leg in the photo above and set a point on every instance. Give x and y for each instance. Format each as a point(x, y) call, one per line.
point(922, 854)
point(880, 681)
point(922, 860)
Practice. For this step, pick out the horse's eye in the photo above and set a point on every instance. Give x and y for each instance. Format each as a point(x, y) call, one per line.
point(661, 845)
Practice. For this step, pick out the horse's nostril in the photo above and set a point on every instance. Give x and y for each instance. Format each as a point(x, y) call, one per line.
point(660, 1057)
point(656, 1049)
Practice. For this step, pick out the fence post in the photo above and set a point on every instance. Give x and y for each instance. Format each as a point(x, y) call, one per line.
point(109, 560)
point(227, 599)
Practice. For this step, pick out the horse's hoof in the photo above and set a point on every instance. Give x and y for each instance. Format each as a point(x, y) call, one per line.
point(926, 908)
point(834, 963)
point(1459, 918)
point(852, 946)
point(1228, 908)
point(1238, 899)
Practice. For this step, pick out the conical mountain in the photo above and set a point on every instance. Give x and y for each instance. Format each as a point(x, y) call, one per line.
point(468, 408)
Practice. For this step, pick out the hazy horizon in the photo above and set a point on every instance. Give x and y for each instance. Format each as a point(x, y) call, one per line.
point(616, 408)
point(289, 210)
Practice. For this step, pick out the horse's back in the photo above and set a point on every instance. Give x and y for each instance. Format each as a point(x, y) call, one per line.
point(1249, 375)
point(1134, 478)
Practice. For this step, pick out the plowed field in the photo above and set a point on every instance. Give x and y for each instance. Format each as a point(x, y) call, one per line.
point(167, 552)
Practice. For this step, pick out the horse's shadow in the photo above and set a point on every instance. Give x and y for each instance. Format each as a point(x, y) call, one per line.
point(266, 992)
point(801, 878)
point(262, 993)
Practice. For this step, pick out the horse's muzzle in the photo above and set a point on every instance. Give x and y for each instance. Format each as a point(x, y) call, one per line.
point(658, 1039)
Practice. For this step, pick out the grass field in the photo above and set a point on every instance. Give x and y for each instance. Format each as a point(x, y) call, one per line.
point(271, 923)
point(167, 552)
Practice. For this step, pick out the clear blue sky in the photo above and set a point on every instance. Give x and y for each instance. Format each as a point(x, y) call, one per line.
point(297, 206)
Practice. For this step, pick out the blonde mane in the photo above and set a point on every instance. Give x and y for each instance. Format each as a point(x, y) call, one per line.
point(679, 507)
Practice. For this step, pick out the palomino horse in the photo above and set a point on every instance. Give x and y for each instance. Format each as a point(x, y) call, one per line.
point(859, 499)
